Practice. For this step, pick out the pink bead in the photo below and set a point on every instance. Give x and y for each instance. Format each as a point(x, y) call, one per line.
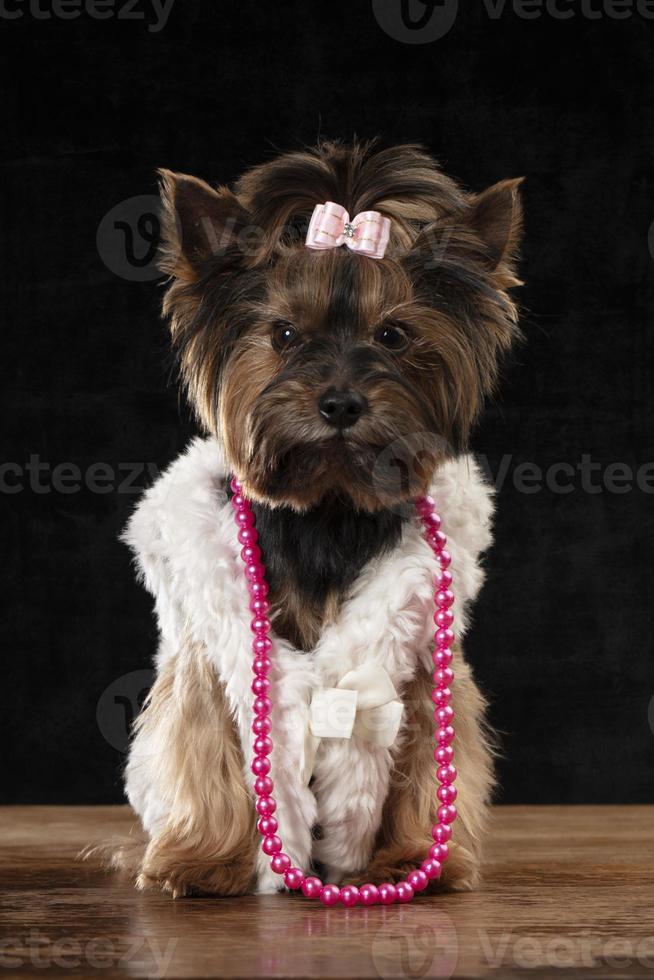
point(444, 578)
point(442, 657)
point(444, 715)
point(271, 845)
point(260, 624)
point(251, 553)
point(444, 618)
point(244, 517)
point(444, 638)
point(330, 895)
point(259, 589)
point(404, 892)
point(349, 896)
point(260, 766)
point(445, 735)
point(444, 598)
point(446, 774)
point(261, 645)
point(441, 833)
point(431, 868)
point(444, 754)
point(255, 572)
point(311, 887)
point(259, 606)
point(447, 814)
point(262, 706)
point(418, 880)
point(263, 745)
point(235, 484)
point(280, 863)
point(265, 805)
point(369, 895)
point(439, 852)
point(425, 505)
point(437, 540)
point(262, 725)
point(441, 696)
point(260, 685)
point(293, 878)
point(387, 893)
point(267, 825)
point(263, 786)
point(431, 521)
point(447, 794)
point(247, 535)
point(445, 558)
point(261, 665)
point(443, 677)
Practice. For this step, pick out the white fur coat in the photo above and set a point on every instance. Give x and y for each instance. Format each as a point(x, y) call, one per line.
point(184, 538)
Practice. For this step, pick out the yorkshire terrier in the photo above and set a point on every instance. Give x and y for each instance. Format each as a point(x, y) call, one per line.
point(339, 317)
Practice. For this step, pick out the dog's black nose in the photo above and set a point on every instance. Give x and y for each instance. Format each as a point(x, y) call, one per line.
point(341, 408)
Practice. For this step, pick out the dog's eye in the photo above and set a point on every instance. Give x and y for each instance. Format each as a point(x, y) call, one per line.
point(392, 337)
point(283, 335)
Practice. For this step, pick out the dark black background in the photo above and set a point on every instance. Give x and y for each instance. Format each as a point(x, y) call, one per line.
point(562, 634)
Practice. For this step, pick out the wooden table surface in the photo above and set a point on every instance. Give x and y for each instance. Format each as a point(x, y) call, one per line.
point(569, 891)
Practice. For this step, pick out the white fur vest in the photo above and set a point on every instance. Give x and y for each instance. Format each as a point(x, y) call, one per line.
point(184, 539)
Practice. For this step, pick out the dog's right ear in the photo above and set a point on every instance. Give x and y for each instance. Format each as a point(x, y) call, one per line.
point(200, 227)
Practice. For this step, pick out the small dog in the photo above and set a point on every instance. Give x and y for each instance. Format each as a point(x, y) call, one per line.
point(338, 383)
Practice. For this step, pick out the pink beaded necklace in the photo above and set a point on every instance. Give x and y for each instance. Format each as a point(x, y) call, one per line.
point(294, 878)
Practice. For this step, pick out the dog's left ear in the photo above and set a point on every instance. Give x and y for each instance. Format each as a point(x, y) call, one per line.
point(200, 226)
point(485, 229)
point(495, 218)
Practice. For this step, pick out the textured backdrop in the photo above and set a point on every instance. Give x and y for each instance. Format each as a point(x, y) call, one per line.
point(562, 634)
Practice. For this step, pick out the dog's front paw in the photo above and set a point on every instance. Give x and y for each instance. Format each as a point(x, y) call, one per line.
point(181, 881)
point(180, 870)
point(460, 873)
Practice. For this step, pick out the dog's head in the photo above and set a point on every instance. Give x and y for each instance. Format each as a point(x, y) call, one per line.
point(317, 367)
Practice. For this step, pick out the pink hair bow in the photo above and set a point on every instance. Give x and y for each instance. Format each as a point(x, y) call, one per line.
point(330, 226)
